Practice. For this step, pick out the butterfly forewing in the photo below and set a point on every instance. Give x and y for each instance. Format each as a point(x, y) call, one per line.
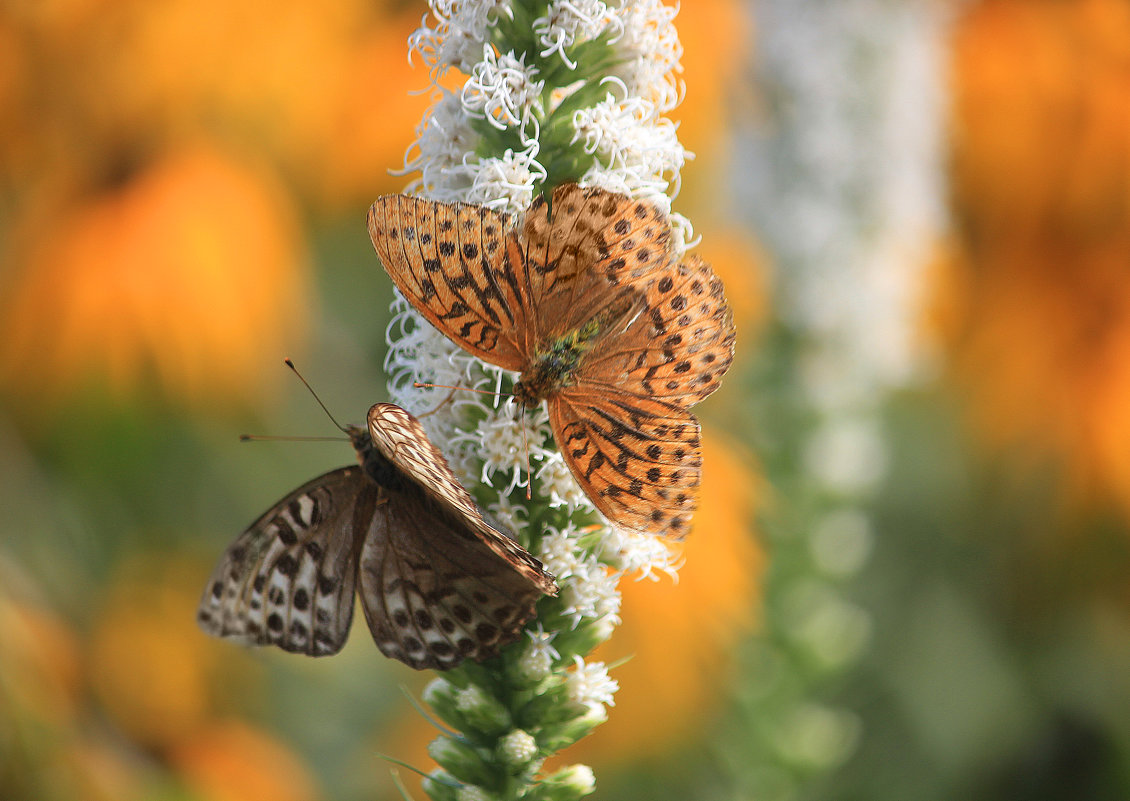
point(401, 439)
point(455, 263)
point(589, 239)
point(288, 580)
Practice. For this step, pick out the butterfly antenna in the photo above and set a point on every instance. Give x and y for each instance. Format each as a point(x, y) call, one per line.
point(269, 438)
point(440, 405)
point(306, 383)
point(420, 385)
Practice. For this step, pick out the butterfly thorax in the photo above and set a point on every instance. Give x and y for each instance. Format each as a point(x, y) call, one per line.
point(378, 468)
point(557, 360)
point(555, 364)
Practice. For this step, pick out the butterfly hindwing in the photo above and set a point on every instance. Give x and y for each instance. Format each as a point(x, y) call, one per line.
point(639, 460)
point(432, 594)
point(288, 579)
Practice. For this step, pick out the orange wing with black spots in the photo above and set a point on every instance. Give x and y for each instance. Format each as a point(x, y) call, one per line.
point(679, 348)
point(582, 247)
point(460, 266)
point(638, 460)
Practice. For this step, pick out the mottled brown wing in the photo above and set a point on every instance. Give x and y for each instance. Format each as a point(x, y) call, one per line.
point(678, 349)
point(459, 265)
point(402, 440)
point(432, 592)
point(639, 460)
point(288, 580)
point(581, 246)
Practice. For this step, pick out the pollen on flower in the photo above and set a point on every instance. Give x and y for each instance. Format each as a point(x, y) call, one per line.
point(589, 684)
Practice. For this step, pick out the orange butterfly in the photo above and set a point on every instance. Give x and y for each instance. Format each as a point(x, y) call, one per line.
point(590, 306)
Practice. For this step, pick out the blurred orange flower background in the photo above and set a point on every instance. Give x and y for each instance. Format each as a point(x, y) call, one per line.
point(1040, 293)
point(158, 162)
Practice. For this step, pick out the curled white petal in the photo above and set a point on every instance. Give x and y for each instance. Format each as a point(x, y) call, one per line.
point(556, 481)
point(503, 90)
point(461, 28)
point(591, 592)
point(651, 53)
point(505, 183)
point(567, 22)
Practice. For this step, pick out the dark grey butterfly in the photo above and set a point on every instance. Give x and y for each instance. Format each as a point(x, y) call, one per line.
point(438, 584)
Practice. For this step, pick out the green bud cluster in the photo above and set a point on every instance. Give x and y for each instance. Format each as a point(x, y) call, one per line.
point(506, 724)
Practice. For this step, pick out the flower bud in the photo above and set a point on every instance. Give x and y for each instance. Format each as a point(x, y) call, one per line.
point(550, 706)
point(462, 760)
point(517, 749)
point(533, 666)
point(441, 695)
point(472, 792)
point(561, 735)
point(440, 786)
point(567, 784)
point(481, 711)
point(586, 636)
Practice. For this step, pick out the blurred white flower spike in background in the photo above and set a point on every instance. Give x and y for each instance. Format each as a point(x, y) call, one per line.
point(558, 92)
